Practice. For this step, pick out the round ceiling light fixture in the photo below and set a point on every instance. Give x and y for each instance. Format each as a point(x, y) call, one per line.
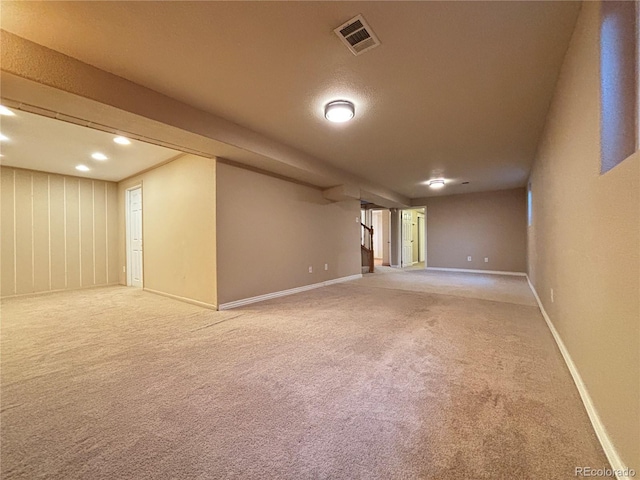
point(339, 111)
point(436, 183)
point(82, 168)
point(99, 156)
point(122, 140)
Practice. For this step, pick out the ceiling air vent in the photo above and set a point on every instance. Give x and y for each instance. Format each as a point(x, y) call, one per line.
point(357, 35)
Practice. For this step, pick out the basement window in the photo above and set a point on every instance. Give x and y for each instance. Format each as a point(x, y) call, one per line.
point(619, 92)
point(529, 205)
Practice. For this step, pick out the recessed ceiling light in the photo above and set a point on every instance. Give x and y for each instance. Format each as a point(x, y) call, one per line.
point(339, 111)
point(436, 183)
point(122, 140)
point(3, 138)
point(98, 156)
point(82, 168)
point(5, 111)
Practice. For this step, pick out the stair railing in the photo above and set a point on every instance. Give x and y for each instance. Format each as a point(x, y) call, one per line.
point(366, 237)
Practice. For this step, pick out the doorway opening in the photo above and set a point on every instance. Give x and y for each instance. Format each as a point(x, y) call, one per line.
point(381, 221)
point(375, 236)
point(134, 237)
point(413, 237)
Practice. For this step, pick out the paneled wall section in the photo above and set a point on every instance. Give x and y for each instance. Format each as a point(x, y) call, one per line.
point(56, 232)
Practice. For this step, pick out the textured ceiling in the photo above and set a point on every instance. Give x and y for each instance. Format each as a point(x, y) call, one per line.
point(49, 145)
point(456, 89)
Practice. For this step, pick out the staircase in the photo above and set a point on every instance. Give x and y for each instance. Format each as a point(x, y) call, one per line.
point(366, 248)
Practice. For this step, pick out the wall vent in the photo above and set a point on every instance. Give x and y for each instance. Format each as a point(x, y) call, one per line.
point(357, 35)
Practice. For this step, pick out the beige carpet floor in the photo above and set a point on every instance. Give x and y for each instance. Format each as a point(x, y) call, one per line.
point(501, 288)
point(405, 375)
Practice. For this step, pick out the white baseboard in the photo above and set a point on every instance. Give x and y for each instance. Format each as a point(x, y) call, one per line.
point(607, 445)
point(283, 293)
point(60, 290)
point(182, 299)
point(466, 270)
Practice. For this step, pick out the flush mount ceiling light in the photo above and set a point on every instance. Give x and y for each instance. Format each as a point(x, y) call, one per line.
point(82, 168)
point(98, 156)
point(5, 111)
point(122, 140)
point(339, 111)
point(436, 183)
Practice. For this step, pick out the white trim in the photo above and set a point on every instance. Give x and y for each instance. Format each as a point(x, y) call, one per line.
point(80, 231)
point(127, 240)
point(49, 223)
point(106, 228)
point(601, 432)
point(93, 226)
point(339, 280)
point(33, 240)
point(466, 270)
point(15, 244)
point(182, 299)
point(283, 293)
point(59, 290)
point(64, 215)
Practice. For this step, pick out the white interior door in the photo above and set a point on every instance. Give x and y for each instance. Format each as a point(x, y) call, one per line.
point(134, 237)
point(407, 238)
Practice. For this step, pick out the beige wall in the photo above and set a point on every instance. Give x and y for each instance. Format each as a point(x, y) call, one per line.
point(57, 232)
point(179, 228)
point(584, 243)
point(487, 224)
point(270, 231)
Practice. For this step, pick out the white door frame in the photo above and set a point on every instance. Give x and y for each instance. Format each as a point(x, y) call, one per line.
point(128, 232)
point(422, 237)
point(419, 224)
point(376, 223)
point(403, 260)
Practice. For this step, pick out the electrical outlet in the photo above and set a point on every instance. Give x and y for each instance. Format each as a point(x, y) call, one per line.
point(469, 258)
point(326, 266)
point(486, 259)
point(552, 300)
point(310, 269)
